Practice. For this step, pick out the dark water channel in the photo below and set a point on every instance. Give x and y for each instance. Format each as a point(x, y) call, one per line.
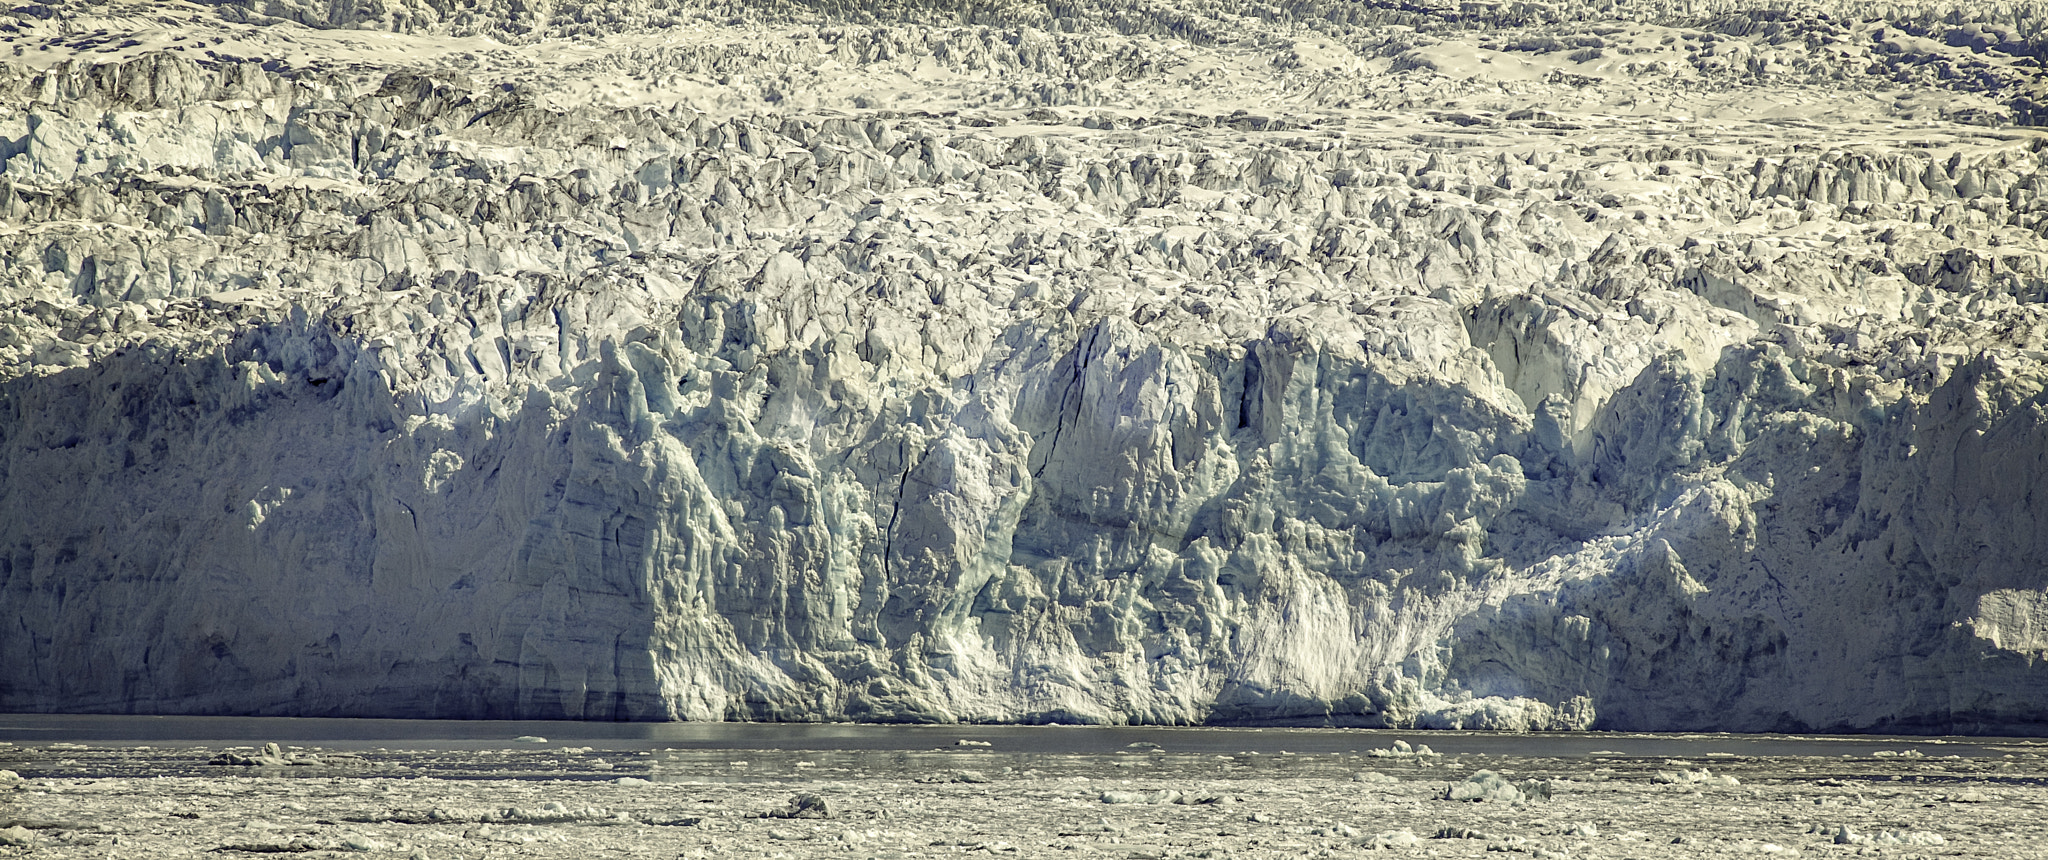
point(358, 734)
point(91, 746)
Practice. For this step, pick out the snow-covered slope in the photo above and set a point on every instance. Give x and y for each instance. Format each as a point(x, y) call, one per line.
point(1411, 370)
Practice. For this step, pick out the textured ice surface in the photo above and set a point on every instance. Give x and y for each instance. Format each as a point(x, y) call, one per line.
point(96, 801)
point(1020, 370)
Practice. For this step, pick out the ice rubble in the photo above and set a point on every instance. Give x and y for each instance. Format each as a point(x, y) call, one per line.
point(402, 391)
point(270, 755)
point(1485, 785)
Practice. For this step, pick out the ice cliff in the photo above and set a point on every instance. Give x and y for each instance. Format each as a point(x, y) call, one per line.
point(1664, 374)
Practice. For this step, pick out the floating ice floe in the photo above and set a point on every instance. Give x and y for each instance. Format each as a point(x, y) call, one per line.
point(518, 834)
point(1693, 777)
point(273, 756)
point(961, 775)
point(1402, 838)
point(805, 806)
point(1160, 796)
point(1486, 785)
point(1846, 835)
point(1401, 749)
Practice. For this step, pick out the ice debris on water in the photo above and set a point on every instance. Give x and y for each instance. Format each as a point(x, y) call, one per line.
point(1485, 785)
point(551, 812)
point(554, 812)
point(271, 755)
point(519, 834)
point(1846, 835)
point(1167, 795)
point(1402, 749)
point(805, 806)
point(1693, 777)
point(359, 842)
point(1386, 839)
point(1158, 796)
point(967, 775)
point(351, 842)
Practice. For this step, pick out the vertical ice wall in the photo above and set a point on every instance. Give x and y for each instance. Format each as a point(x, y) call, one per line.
point(407, 396)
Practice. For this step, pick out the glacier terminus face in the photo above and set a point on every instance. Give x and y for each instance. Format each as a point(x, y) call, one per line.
point(1026, 364)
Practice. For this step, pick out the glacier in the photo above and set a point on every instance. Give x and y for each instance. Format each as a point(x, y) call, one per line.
point(1027, 369)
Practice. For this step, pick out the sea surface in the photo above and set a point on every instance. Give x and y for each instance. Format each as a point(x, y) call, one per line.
point(423, 735)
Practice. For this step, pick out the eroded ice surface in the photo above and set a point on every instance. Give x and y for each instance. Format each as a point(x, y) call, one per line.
point(1169, 366)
